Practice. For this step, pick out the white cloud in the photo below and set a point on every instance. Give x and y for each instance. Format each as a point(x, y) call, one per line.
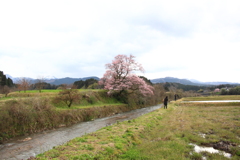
point(185, 39)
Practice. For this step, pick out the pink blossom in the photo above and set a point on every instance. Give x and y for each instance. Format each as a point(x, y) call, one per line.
point(120, 76)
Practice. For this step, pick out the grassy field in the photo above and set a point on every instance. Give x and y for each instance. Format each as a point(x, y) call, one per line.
point(31, 112)
point(45, 92)
point(218, 97)
point(58, 90)
point(162, 134)
point(30, 94)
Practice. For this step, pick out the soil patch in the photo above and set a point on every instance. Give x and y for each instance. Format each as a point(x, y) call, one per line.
point(222, 145)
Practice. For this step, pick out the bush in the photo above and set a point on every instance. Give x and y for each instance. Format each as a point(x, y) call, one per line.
point(67, 96)
point(232, 91)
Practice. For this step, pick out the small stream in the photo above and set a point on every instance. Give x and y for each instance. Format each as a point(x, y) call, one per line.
point(25, 147)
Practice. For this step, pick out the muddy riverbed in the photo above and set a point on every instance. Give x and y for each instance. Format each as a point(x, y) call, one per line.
point(25, 147)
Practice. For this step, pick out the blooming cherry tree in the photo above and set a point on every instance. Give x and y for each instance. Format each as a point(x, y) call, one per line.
point(120, 76)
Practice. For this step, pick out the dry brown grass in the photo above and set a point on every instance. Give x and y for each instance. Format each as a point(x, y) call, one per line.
point(162, 134)
point(23, 116)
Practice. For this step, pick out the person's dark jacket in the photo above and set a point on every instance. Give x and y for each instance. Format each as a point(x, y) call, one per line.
point(165, 100)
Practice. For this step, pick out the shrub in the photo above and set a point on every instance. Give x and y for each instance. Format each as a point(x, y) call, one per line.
point(67, 96)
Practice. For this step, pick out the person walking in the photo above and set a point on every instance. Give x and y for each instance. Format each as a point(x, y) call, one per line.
point(165, 101)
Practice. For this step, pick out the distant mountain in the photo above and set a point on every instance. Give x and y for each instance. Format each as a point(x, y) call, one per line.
point(219, 83)
point(55, 81)
point(195, 81)
point(213, 83)
point(174, 80)
point(15, 79)
point(188, 82)
point(68, 80)
point(9, 76)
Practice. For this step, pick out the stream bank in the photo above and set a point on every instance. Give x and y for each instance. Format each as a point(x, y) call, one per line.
point(26, 147)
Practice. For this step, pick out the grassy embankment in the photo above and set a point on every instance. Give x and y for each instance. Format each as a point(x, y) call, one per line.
point(162, 134)
point(26, 113)
point(209, 98)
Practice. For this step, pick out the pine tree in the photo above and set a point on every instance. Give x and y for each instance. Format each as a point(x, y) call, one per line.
point(4, 80)
point(9, 82)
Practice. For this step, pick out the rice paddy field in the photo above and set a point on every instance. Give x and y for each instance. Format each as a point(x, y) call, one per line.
point(165, 134)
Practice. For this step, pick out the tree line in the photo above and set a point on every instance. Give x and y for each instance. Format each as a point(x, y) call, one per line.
point(231, 91)
point(5, 84)
point(4, 81)
point(169, 85)
point(87, 84)
point(24, 84)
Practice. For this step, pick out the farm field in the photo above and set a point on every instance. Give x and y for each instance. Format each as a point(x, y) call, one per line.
point(44, 93)
point(218, 97)
point(30, 94)
point(31, 112)
point(163, 134)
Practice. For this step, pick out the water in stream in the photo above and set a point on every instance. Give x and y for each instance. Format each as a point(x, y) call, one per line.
point(25, 147)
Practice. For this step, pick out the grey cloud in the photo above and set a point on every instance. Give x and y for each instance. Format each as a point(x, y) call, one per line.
point(80, 41)
point(180, 26)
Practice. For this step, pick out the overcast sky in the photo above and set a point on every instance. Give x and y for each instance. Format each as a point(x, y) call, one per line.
point(183, 39)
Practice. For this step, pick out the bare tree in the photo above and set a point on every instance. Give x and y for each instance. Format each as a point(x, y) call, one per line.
point(18, 87)
point(73, 86)
point(63, 86)
point(23, 84)
point(40, 84)
point(5, 90)
point(67, 96)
